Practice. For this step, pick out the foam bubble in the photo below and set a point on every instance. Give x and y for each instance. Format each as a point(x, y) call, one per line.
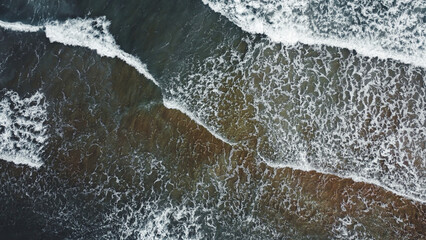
point(158, 225)
point(375, 29)
point(23, 134)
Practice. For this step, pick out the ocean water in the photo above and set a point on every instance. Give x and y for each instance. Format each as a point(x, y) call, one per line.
point(204, 119)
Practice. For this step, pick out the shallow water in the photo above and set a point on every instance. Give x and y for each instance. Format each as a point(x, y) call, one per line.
point(160, 120)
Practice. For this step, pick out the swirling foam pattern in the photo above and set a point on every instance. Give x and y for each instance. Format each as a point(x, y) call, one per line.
point(317, 108)
point(22, 128)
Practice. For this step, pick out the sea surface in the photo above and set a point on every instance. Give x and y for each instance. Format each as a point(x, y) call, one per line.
point(212, 119)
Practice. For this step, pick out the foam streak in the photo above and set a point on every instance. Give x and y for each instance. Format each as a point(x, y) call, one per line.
point(174, 105)
point(19, 27)
point(355, 178)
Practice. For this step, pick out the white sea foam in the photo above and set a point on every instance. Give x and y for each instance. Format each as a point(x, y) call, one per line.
point(93, 34)
point(89, 33)
point(157, 227)
point(180, 107)
point(349, 229)
point(23, 134)
point(152, 218)
point(19, 27)
point(384, 29)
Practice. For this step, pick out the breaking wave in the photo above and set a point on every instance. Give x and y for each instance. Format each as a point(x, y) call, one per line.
point(384, 29)
point(89, 33)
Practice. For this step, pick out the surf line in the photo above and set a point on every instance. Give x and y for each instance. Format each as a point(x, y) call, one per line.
point(93, 34)
point(353, 177)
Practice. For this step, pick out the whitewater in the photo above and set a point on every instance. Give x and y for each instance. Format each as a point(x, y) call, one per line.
point(94, 34)
point(383, 29)
point(23, 134)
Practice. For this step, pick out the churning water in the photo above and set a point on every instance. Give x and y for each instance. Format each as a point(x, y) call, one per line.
point(213, 119)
